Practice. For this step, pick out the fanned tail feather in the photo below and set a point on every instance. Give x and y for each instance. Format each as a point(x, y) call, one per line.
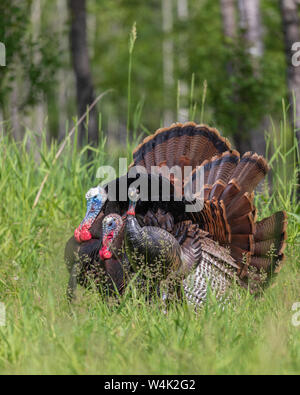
point(270, 240)
point(186, 144)
point(229, 215)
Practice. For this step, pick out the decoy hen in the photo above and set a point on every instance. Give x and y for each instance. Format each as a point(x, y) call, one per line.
point(224, 240)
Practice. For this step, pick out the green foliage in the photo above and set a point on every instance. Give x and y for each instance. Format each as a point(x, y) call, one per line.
point(239, 100)
point(237, 103)
point(30, 55)
point(282, 185)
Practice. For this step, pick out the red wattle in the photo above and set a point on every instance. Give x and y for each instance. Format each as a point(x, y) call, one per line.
point(131, 212)
point(85, 235)
point(105, 253)
point(82, 234)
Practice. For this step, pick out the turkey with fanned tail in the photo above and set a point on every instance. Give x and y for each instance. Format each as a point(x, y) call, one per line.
point(212, 248)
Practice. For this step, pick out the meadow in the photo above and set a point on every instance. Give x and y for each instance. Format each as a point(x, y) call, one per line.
point(45, 335)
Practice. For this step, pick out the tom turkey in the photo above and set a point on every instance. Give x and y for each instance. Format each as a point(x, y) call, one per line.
point(215, 247)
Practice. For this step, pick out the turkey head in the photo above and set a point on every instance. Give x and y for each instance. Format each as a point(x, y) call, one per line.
point(96, 198)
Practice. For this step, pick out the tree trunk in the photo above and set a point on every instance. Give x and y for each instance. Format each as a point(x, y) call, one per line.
point(250, 22)
point(229, 18)
point(39, 113)
point(291, 30)
point(65, 80)
point(15, 116)
point(228, 11)
point(251, 25)
point(81, 65)
point(168, 60)
point(183, 16)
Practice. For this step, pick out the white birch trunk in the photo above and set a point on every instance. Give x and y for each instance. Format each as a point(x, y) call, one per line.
point(168, 59)
point(229, 18)
point(15, 117)
point(38, 112)
point(291, 30)
point(251, 23)
point(183, 15)
point(66, 80)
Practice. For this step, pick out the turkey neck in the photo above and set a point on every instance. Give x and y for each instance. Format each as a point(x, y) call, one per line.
point(151, 243)
point(135, 234)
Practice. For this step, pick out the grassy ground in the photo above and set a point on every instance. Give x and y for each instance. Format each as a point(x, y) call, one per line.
point(44, 335)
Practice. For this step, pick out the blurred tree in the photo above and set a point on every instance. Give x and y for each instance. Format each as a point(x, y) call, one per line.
point(251, 24)
point(229, 22)
point(81, 65)
point(39, 115)
point(229, 18)
point(176, 39)
point(183, 61)
point(110, 64)
point(31, 63)
point(291, 30)
point(168, 59)
point(243, 99)
point(252, 31)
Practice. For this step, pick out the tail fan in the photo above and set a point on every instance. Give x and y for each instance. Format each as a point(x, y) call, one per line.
point(180, 145)
point(229, 214)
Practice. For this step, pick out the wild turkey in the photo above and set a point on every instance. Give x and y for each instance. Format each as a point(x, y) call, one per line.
point(220, 244)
